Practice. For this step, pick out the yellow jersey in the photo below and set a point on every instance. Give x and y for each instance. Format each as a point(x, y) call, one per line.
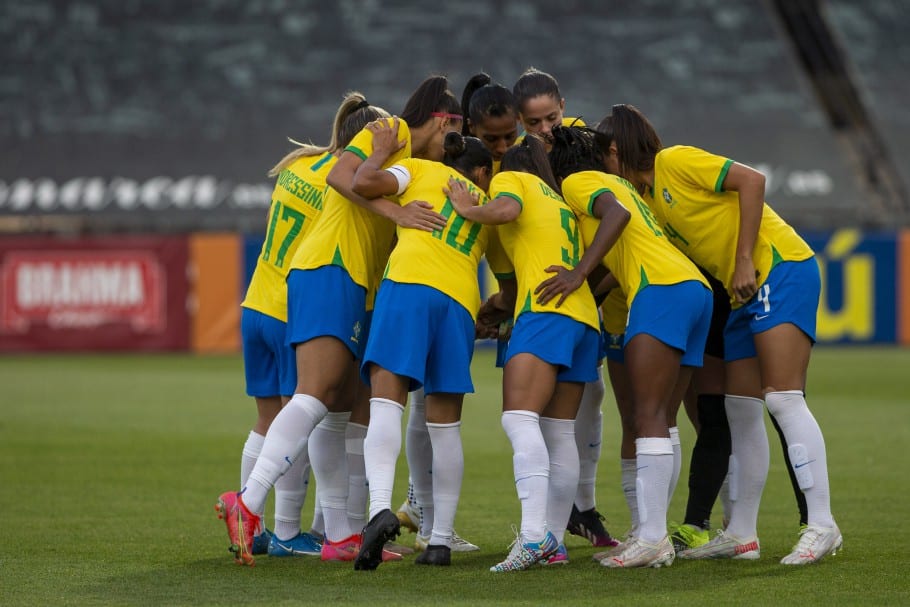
point(349, 235)
point(446, 260)
point(615, 312)
point(641, 256)
point(702, 219)
point(543, 235)
point(297, 201)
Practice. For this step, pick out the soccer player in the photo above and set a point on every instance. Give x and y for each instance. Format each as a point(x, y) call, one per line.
point(669, 304)
point(713, 209)
point(541, 106)
point(270, 369)
point(422, 333)
point(341, 262)
point(552, 351)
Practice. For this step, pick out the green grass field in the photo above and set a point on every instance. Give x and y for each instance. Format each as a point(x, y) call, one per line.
point(110, 466)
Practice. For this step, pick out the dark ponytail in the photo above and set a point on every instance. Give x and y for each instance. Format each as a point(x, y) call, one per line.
point(465, 154)
point(482, 98)
point(433, 95)
point(575, 149)
point(530, 157)
point(637, 143)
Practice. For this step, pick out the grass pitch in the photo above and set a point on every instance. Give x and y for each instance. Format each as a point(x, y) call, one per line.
point(110, 466)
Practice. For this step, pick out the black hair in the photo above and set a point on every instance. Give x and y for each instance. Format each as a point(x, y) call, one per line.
point(433, 95)
point(574, 149)
point(482, 97)
point(637, 143)
point(530, 157)
point(464, 154)
point(533, 83)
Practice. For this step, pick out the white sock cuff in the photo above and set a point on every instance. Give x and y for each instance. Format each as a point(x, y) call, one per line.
point(783, 401)
point(674, 435)
point(336, 422)
point(418, 397)
point(386, 403)
point(522, 413)
point(253, 446)
point(353, 438)
point(553, 421)
point(434, 426)
point(742, 400)
point(653, 446)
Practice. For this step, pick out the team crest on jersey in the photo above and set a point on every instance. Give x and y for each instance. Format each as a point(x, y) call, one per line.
point(355, 330)
point(668, 198)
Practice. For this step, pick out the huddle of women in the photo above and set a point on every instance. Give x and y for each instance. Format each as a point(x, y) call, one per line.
point(665, 262)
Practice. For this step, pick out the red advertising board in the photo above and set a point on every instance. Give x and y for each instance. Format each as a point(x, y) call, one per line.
point(110, 293)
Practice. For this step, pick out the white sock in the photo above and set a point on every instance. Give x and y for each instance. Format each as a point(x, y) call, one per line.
point(629, 471)
point(284, 442)
point(448, 471)
point(330, 464)
point(290, 494)
point(380, 452)
point(251, 449)
point(559, 436)
point(654, 458)
point(725, 499)
point(419, 452)
point(358, 490)
point(531, 464)
point(588, 438)
point(806, 447)
point(749, 461)
point(677, 462)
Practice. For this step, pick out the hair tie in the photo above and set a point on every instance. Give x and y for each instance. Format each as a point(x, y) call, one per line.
point(362, 105)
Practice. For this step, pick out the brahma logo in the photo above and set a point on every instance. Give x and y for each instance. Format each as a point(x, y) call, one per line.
point(79, 290)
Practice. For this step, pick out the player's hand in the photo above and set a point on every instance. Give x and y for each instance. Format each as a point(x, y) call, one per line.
point(744, 284)
point(491, 313)
point(563, 284)
point(461, 198)
point(385, 136)
point(420, 215)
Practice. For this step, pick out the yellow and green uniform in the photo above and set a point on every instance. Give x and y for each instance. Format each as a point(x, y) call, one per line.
point(543, 235)
point(702, 219)
point(641, 256)
point(297, 201)
point(445, 260)
point(349, 235)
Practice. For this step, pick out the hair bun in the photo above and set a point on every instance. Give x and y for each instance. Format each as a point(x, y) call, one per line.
point(454, 144)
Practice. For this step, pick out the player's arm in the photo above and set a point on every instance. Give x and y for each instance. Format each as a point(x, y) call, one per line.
point(613, 220)
point(500, 210)
point(750, 185)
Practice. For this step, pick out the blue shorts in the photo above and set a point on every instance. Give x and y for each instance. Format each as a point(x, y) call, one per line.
point(678, 315)
point(326, 302)
point(559, 340)
point(268, 362)
point(423, 334)
point(613, 343)
point(789, 295)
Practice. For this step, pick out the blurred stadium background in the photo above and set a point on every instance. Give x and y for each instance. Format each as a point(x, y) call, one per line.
point(136, 136)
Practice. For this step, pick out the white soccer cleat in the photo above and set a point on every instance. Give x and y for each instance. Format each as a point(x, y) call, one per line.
point(408, 516)
point(815, 543)
point(725, 546)
point(456, 544)
point(638, 553)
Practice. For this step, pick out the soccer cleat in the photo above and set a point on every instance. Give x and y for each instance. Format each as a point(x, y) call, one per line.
point(346, 550)
point(560, 557)
point(343, 550)
point(241, 526)
point(638, 553)
point(435, 555)
point(589, 525)
point(383, 527)
point(409, 517)
point(686, 536)
point(725, 546)
point(261, 542)
point(815, 543)
point(524, 555)
point(399, 549)
point(302, 544)
point(456, 544)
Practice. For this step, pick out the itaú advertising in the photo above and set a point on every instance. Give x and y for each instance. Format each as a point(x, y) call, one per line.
point(67, 290)
point(859, 299)
point(115, 293)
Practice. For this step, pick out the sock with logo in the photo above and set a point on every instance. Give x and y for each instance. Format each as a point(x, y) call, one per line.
point(749, 462)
